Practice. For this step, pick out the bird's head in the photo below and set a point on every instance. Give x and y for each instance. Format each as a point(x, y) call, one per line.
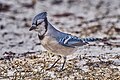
point(40, 23)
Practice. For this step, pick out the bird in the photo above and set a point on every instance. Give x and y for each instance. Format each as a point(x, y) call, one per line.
point(56, 41)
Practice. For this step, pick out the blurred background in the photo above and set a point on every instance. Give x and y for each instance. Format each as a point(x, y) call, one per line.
point(83, 18)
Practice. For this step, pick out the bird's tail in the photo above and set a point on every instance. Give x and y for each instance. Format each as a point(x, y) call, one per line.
point(91, 39)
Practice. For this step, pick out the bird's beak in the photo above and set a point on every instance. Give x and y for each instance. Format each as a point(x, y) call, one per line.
point(32, 28)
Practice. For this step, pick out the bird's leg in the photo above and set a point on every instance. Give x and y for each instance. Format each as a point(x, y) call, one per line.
point(55, 62)
point(63, 63)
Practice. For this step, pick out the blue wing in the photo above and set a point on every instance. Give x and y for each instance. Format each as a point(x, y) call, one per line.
point(71, 41)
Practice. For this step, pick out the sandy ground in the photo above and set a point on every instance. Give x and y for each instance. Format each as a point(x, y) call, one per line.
point(83, 18)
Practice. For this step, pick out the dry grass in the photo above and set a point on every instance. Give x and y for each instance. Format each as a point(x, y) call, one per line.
point(33, 67)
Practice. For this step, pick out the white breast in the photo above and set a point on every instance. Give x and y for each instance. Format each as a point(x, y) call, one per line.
point(52, 45)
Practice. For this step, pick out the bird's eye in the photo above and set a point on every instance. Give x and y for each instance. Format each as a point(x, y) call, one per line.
point(39, 21)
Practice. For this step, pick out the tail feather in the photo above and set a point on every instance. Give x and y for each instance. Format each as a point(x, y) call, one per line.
point(91, 39)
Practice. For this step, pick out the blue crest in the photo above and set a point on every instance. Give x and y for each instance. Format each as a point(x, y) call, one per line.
point(42, 15)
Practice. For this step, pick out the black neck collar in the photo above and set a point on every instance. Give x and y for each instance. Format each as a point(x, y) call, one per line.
point(46, 27)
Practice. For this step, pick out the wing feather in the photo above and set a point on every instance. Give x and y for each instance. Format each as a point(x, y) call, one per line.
point(71, 41)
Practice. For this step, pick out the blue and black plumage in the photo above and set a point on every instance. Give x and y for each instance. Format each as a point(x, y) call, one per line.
point(73, 41)
point(39, 16)
point(57, 41)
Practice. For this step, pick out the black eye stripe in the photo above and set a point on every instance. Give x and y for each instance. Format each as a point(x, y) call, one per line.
point(40, 23)
point(34, 24)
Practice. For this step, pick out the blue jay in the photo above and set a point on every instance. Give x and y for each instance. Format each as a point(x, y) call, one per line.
point(56, 41)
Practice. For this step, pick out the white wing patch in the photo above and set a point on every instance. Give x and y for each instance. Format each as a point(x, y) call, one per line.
point(69, 37)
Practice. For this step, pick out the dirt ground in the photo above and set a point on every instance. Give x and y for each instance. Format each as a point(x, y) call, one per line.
point(23, 58)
